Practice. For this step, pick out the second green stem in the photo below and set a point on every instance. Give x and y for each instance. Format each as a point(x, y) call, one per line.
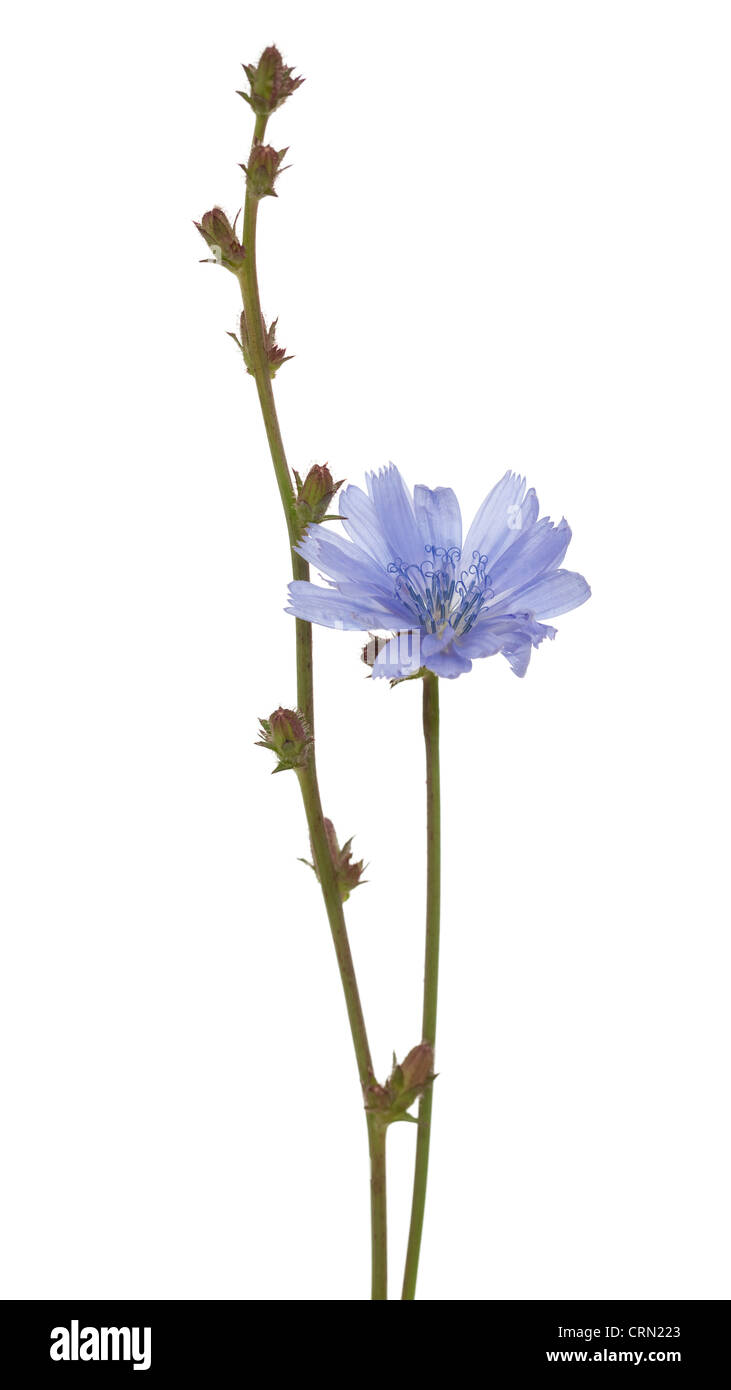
point(431, 971)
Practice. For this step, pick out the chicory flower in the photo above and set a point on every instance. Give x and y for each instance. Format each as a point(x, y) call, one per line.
point(405, 567)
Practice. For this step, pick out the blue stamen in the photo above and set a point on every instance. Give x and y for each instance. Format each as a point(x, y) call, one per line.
point(429, 589)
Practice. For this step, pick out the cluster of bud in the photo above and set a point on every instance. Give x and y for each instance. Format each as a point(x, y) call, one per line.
point(408, 1080)
point(285, 732)
point(271, 82)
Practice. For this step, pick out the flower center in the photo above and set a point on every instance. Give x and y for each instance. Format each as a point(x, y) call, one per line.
point(439, 592)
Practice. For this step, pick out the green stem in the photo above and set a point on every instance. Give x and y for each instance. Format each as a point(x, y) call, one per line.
point(333, 903)
point(379, 1240)
point(326, 872)
point(431, 972)
point(249, 283)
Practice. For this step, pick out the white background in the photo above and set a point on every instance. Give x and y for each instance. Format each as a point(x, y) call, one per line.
point(503, 242)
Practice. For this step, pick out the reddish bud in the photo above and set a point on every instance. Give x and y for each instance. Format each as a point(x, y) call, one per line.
point(348, 873)
point(285, 732)
point(220, 236)
point(405, 1084)
point(417, 1067)
point(263, 169)
point(271, 82)
point(274, 354)
point(315, 494)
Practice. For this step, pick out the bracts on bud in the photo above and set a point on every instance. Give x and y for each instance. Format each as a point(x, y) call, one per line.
point(315, 494)
point(407, 1082)
point(220, 236)
point(271, 82)
point(349, 874)
point(285, 732)
point(274, 354)
point(263, 169)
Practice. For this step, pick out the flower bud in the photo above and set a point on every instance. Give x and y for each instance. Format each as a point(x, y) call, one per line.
point(262, 170)
point(275, 355)
point(405, 1084)
point(315, 494)
point(285, 732)
point(271, 82)
point(220, 236)
point(417, 1067)
point(349, 874)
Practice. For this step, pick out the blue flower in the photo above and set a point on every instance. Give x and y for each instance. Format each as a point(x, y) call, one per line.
point(406, 568)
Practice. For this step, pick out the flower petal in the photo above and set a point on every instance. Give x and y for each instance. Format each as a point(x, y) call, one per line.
point(484, 639)
point(386, 601)
point(517, 655)
point(438, 517)
point(538, 549)
point(339, 558)
point(395, 511)
point(449, 663)
point(440, 653)
point(360, 522)
point(553, 594)
point(330, 608)
point(512, 634)
point(498, 520)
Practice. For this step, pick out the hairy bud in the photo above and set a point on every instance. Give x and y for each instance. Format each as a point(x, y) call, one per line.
point(274, 354)
point(417, 1069)
point(315, 494)
point(271, 82)
point(263, 169)
point(221, 238)
point(285, 732)
point(407, 1082)
point(348, 873)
